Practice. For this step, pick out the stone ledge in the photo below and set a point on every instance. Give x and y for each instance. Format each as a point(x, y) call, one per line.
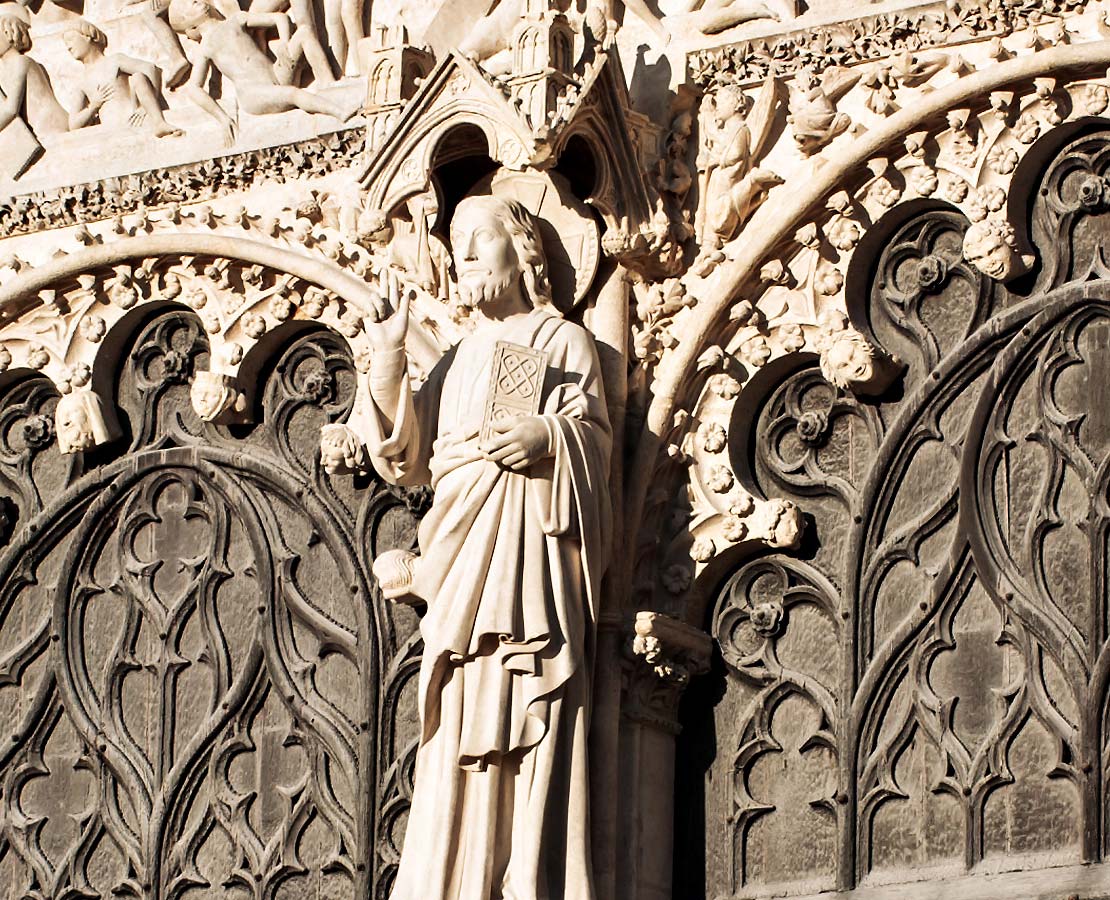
point(1063, 883)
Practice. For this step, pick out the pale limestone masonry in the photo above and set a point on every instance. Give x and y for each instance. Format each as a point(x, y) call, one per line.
point(803, 520)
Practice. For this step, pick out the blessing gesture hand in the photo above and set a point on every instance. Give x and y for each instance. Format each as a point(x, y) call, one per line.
point(388, 332)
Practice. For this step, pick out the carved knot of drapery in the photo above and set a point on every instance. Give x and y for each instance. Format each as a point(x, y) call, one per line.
point(663, 655)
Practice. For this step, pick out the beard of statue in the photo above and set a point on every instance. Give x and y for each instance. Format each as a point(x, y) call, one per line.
point(480, 288)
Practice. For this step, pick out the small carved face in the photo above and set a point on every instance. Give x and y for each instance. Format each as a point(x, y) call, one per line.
point(787, 529)
point(73, 428)
point(77, 44)
point(729, 101)
point(187, 15)
point(210, 395)
point(485, 258)
point(849, 359)
point(990, 253)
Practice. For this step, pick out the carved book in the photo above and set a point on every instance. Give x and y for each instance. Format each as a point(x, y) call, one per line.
point(516, 381)
point(18, 147)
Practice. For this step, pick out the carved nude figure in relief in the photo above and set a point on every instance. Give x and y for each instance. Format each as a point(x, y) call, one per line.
point(343, 20)
point(305, 35)
point(490, 35)
point(512, 554)
point(24, 83)
point(261, 85)
point(155, 15)
point(116, 89)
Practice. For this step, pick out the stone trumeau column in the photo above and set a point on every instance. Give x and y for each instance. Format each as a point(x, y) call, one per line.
point(661, 657)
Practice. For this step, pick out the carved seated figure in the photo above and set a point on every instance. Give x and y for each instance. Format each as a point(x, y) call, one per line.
point(116, 89)
point(25, 84)
point(261, 85)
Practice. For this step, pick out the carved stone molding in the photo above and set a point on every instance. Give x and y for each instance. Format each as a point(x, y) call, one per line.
point(194, 183)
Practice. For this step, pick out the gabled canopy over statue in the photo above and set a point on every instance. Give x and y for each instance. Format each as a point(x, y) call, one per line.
point(512, 432)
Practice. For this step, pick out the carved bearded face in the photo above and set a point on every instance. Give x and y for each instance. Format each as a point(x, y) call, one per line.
point(486, 260)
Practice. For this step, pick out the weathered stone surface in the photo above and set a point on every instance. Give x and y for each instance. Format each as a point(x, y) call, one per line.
point(846, 273)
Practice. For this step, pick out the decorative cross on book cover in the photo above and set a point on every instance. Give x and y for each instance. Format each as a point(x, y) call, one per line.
point(516, 382)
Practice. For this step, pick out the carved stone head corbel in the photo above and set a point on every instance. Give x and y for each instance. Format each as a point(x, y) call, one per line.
point(992, 247)
point(215, 397)
point(850, 361)
point(82, 421)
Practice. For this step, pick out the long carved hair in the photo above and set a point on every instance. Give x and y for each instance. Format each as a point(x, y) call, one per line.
point(525, 234)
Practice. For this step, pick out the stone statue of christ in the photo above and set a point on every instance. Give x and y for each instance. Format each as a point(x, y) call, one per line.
point(512, 552)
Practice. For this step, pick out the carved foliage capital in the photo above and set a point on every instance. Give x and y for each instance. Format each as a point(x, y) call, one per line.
point(664, 655)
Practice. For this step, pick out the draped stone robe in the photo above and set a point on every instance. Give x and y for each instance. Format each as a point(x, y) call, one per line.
point(510, 567)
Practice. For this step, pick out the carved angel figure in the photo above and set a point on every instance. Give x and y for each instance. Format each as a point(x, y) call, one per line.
point(115, 89)
point(409, 248)
point(813, 117)
point(513, 548)
point(734, 135)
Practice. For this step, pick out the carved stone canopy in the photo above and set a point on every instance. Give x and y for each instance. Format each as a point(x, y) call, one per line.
point(459, 98)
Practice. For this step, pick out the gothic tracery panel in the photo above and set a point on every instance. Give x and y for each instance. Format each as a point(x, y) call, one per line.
point(941, 635)
point(203, 688)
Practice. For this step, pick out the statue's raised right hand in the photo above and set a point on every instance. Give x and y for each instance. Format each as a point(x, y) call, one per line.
point(388, 332)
